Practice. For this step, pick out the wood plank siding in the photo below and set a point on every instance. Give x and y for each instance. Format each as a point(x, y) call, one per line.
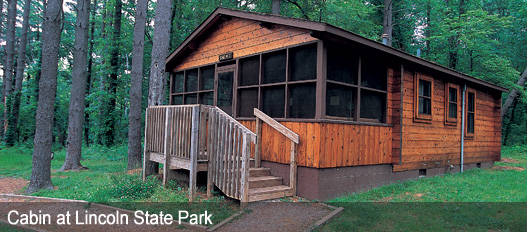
point(328, 145)
point(243, 37)
point(436, 144)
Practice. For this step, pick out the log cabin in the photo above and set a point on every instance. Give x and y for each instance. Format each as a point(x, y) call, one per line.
point(271, 106)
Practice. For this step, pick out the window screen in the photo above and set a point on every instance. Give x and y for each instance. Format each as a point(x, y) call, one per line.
point(425, 97)
point(303, 63)
point(274, 67)
point(206, 98)
point(470, 112)
point(372, 105)
point(177, 85)
point(452, 102)
point(274, 101)
point(373, 74)
point(339, 101)
point(225, 88)
point(302, 101)
point(247, 102)
point(192, 80)
point(342, 66)
point(177, 100)
point(191, 99)
point(207, 78)
point(250, 71)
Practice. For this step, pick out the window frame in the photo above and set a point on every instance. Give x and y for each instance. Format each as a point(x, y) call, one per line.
point(418, 117)
point(470, 135)
point(198, 92)
point(448, 119)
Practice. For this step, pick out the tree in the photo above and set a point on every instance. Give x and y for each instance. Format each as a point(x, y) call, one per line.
point(276, 7)
point(9, 62)
point(90, 73)
point(134, 125)
point(12, 124)
point(387, 25)
point(41, 170)
point(157, 86)
point(514, 94)
point(78, 88)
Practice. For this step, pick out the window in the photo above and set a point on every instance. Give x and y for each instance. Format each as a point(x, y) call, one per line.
point(451, 103)
point(284, 88)
point(471, 112)
point(193, 86)
point(347, 88)
point(423, 98)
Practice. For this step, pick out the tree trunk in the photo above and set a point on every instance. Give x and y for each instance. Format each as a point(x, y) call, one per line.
point(109, 127)
point(51, 32)
point(12, 124)
point(276, 7)
point(514, 94)
point(428, 30)
point(508, 130)
point(387, 26)
point(9, 61)
point(78, 88)
point(136, 85)
point(89, 75)
point(157, 84)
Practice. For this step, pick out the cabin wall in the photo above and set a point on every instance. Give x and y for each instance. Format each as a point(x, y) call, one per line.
point(243, 37)
point(432, 145)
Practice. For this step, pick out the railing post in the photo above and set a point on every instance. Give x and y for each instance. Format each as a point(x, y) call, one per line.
point(293, 169)
point(210, 153)
point(194, 149)
point(166, 153)
point(246, 148)
point(146, 155)
point(258, 147)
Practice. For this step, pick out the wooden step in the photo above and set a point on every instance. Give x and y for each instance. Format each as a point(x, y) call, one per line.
point(267, 193)
point(256, 172)
point(264, 181)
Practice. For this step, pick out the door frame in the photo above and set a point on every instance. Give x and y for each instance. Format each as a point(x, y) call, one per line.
point(223, 69)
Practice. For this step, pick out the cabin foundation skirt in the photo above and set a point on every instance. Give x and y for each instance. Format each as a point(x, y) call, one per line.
point(327, 183)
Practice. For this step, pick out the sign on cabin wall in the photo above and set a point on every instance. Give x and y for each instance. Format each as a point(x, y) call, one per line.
point(226, 56)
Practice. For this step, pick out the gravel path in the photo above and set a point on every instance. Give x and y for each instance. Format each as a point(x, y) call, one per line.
point(278, 216)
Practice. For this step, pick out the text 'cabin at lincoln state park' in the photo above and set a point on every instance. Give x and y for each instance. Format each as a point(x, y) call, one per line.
point(268, 106)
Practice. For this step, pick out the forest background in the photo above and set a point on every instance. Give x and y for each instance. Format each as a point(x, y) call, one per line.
point(107, 52)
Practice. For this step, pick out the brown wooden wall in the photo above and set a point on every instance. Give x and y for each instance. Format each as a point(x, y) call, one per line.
point(243, 37)
point(327, 145)
point(429, 145)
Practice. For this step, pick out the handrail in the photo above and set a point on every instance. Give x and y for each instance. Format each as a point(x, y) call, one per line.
point(261, 116)
point(276, 125)
point(245, 129)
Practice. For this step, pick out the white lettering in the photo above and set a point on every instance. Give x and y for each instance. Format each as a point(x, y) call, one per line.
point(9, 217)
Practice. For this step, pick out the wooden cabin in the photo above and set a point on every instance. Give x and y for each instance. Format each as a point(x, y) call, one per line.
point(363, 114)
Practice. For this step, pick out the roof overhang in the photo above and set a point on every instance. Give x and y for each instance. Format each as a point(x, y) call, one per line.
point(317, 28)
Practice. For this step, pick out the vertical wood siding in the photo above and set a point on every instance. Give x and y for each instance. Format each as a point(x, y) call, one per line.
point(327, 145)
point(243, 37)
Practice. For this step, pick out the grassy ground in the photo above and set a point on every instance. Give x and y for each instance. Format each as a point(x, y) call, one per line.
point(107, 182)
point(476, 200)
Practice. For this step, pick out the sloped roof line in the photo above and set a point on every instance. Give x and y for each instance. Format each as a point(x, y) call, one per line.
point(320, 27)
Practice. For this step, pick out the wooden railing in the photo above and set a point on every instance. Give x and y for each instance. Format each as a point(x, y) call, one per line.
point(229, 154)
point(262, 117)
point(180, 136)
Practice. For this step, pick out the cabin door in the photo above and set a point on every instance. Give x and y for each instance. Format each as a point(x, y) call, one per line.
point(224, 88)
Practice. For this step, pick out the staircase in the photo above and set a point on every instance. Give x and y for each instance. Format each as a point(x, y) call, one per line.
point(263, 186)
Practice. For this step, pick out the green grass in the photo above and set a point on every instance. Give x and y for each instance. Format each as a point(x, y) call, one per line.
point(107, 182)
point(8, 228)
point(476, 200)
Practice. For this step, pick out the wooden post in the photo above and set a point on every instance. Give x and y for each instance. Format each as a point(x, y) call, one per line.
point(258, 147)
point(146, 156)
point(168, 136)
point(246, 148)
point(194, 149)
point(293, 168)
point(210, 154)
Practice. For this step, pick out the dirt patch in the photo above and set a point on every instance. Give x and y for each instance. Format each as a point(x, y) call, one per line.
point(61, 177)
point(136, 171)
point(506, 168)
point(416, 196)
point(279, 216)
point(509, 160)
point(12, 185)
point(386, 199)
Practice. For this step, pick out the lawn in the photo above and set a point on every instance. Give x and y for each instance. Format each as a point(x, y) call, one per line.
point(107, 182)
point(476, 200)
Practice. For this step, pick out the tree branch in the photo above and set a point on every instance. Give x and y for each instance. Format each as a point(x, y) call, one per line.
point(300, 8)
